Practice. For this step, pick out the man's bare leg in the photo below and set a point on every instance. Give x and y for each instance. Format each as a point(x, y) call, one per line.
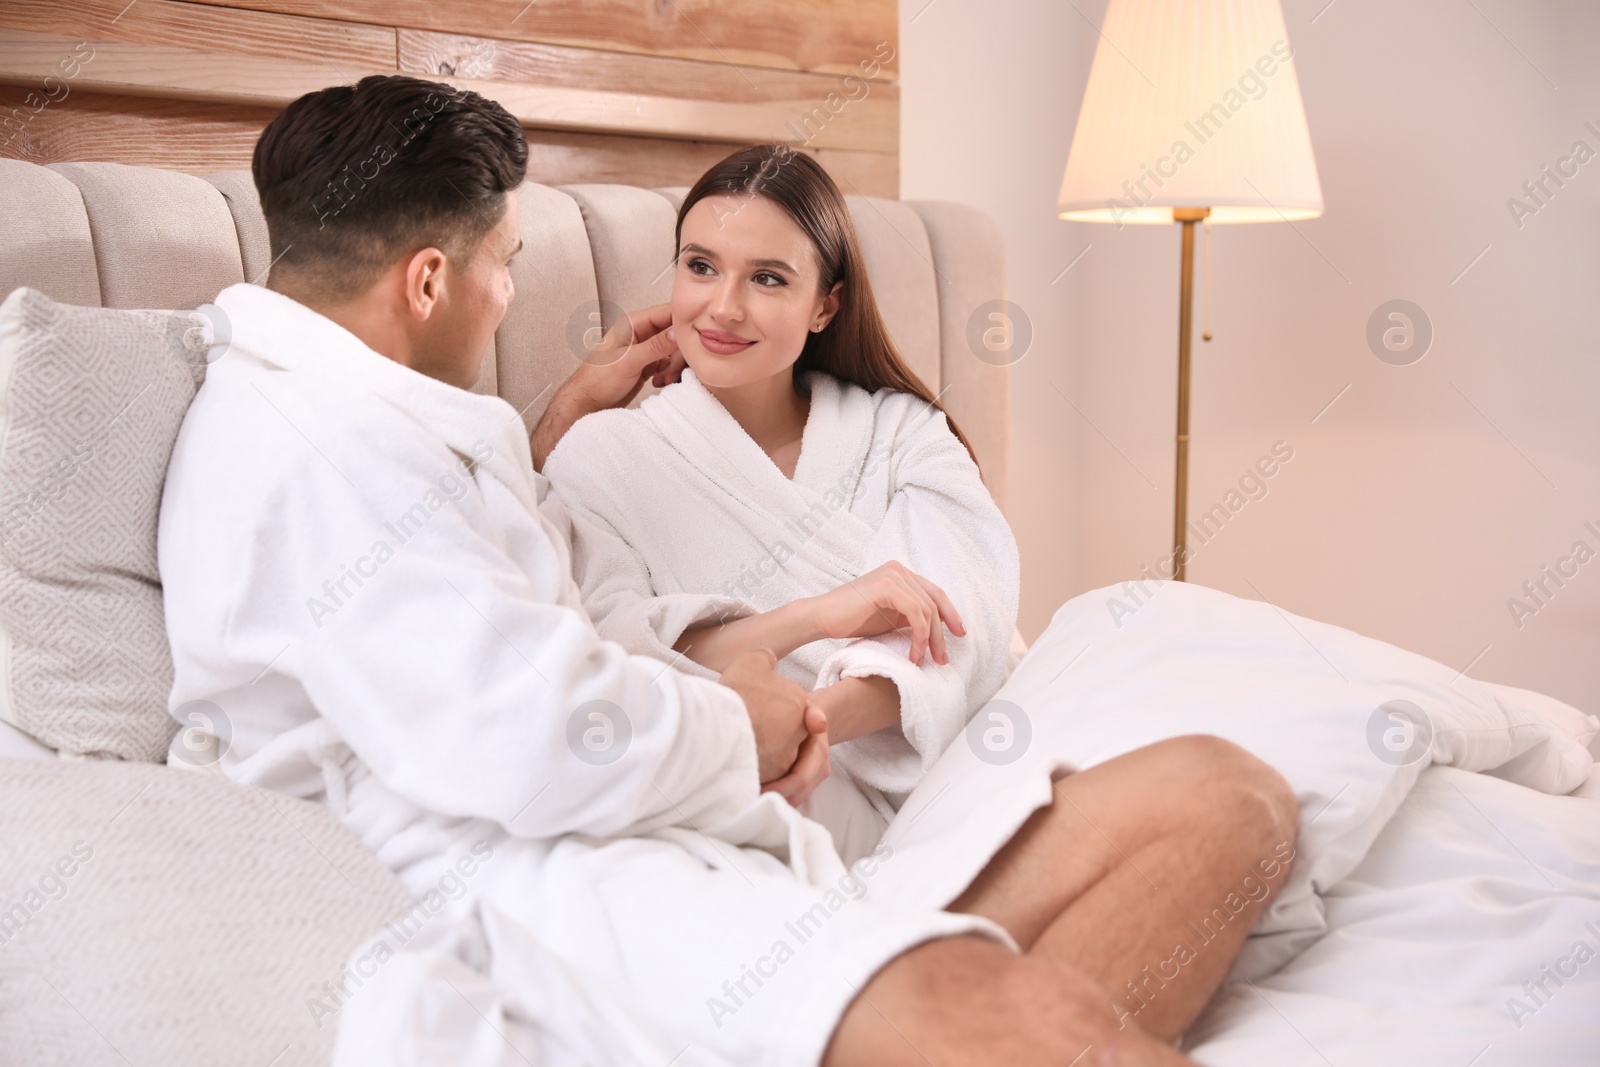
point(972, 1002)
point(1147, 873)
point(1098, 886)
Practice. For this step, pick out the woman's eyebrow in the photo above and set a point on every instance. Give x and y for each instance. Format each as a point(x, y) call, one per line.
point(778, 263)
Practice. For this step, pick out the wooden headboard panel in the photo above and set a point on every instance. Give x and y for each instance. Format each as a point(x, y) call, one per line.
point(640, 92)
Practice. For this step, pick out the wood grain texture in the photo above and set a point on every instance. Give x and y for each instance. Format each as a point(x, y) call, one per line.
point(139, 131)
point(199, 138)
point(556, 158)
point(137, 69)
point(430, 55)
point(331, 44)
point(829, 36)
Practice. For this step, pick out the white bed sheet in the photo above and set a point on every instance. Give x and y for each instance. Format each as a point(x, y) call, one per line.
point(1474, 887)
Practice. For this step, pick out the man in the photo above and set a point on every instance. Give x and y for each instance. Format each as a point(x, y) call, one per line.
point(366, 579)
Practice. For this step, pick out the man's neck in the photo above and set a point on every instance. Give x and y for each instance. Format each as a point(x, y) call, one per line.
point(367, 316)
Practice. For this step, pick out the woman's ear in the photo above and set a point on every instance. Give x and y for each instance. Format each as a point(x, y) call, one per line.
point(424, 282)
point(830, 308)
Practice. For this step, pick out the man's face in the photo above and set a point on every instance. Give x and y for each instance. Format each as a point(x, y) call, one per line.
point(451, 343)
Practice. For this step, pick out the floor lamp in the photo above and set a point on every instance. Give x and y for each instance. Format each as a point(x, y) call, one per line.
point(1192, 114)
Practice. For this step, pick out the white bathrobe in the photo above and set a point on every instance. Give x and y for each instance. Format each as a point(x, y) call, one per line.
point(369, 600)
point(679, 515)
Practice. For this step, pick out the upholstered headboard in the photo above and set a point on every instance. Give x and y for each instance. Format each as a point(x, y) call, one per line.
point(135, 237)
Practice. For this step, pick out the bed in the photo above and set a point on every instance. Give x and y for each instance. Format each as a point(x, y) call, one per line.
point(1447, 908)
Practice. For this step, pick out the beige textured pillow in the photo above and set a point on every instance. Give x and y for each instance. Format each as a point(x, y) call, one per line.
point(90, 403)
point(173, 918)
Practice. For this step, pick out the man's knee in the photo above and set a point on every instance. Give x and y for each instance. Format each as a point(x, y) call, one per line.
point(1249, 794)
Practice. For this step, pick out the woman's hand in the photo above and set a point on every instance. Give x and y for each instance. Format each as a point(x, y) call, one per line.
point(812, 764)
point(890, 597)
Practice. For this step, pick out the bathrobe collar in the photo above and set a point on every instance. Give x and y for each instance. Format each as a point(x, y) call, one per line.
point(274, 330)
point(834, 450)
point(833, 445)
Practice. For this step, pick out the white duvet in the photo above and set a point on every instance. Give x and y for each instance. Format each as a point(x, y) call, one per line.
point(1428, 897)
point(1430, 882)
point(1474, 893)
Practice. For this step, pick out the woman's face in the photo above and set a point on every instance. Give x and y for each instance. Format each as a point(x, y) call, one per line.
point(745, 293)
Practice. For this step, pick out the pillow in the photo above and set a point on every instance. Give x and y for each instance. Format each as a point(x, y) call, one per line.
point(191, 920)
point(90, 403)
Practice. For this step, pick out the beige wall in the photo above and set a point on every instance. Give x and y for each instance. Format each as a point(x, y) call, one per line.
point(1417, 504)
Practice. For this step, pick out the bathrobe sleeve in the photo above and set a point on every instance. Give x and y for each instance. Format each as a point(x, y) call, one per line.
point(619, 596)
point(456, 673)
point(612, 574)
point(942, 523)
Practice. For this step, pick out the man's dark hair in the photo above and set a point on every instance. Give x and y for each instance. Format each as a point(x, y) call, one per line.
point(352, 178)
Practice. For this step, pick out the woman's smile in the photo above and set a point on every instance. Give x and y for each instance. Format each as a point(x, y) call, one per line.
point(722, 344)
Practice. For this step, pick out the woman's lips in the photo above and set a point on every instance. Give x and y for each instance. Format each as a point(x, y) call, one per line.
point(723, 344)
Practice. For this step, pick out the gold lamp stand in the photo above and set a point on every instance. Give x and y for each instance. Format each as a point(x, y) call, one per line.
point(1187, 216)
point(1259, 168)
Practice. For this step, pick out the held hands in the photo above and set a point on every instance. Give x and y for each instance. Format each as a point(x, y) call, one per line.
point(888, 598)
point(811, 766)
point(791, 732)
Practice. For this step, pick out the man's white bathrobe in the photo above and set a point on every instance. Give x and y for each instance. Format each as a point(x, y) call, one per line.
point(369, 601)
point(678, 515)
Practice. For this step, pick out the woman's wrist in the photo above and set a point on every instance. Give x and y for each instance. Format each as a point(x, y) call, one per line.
point(782, 630)
point(856, 707)
point(790, 627)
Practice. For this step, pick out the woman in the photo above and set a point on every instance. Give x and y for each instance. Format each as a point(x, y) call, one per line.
point(798, 489)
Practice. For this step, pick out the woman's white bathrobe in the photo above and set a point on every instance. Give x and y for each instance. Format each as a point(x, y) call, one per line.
point(678, 515)
point(369, 601)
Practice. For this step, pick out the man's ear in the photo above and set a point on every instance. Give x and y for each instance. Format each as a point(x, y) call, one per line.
point(425, 282)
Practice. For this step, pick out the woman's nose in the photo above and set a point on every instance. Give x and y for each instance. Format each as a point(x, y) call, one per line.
point(726, 305)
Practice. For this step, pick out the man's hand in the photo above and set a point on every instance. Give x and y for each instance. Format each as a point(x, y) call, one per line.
point(777, 710)
point(638, 347)
point(811, 766)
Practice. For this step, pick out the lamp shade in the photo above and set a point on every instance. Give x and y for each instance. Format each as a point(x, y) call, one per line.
point(1191, 104)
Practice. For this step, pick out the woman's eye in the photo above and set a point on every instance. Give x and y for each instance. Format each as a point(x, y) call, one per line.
point(773, 284)
point(696, 264)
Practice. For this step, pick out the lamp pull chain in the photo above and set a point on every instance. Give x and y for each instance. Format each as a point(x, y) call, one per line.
point(1206, 335)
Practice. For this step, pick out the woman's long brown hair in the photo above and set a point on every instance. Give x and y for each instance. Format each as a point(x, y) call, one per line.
point(855, 345)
